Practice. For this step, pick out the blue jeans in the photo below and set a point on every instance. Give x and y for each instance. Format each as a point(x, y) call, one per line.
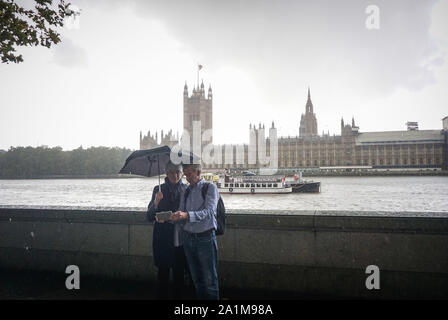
point(201, 252)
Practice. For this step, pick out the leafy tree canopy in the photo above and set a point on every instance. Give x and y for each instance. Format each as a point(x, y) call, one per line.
point(36, 26)
point(29, 162)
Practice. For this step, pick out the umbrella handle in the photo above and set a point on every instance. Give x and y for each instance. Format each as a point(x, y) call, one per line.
point(158, 170)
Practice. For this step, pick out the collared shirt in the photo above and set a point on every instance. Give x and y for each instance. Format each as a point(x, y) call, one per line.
point(202, 211)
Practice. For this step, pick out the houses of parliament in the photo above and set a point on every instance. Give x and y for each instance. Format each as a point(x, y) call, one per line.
point(411, 148)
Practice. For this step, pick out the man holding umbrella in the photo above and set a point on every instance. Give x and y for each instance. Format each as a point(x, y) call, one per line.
point(167, 249)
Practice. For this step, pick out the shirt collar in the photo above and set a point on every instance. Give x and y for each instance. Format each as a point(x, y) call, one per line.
point(200, 182)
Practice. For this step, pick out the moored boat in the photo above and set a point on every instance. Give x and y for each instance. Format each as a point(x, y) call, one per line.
point(306, 186)
point(252, 186)
point(248, 184)
point(299, 185)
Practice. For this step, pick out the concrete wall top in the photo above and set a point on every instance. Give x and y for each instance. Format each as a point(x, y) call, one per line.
point(247, 219)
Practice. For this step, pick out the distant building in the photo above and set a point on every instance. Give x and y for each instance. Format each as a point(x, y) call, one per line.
point(445, 123)
point(198, 107)
point(388, 149)
point(151, 140)
point(412, 125)
point(412, 148)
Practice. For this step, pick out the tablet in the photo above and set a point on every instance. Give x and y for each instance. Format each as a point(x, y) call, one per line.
point(164, 215)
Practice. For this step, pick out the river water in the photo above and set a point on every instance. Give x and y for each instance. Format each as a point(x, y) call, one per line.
point(390, 194)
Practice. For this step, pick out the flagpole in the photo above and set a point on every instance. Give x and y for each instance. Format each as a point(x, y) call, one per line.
point(198, 75)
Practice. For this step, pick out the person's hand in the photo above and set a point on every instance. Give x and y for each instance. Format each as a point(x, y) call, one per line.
point(158, 220)
point(159, 196)
point(179, 215)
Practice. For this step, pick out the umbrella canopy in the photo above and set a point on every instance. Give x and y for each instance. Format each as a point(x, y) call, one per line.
point(152, 162)
point(148, 163)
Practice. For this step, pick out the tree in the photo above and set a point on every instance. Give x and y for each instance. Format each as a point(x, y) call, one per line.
point(30, 27)
point(29, 162)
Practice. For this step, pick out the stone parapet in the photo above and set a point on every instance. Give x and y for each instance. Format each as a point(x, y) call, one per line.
point(316, 252)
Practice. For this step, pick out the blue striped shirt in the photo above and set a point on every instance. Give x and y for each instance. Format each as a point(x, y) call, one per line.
point(202, 211)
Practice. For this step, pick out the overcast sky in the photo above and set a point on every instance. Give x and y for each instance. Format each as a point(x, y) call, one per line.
point(122, 67)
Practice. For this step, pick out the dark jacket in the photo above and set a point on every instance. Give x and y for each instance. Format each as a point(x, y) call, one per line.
point(163, 234)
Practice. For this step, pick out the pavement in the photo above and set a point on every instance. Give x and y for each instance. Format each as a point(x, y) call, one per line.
point(26, 285)
point(34, 285)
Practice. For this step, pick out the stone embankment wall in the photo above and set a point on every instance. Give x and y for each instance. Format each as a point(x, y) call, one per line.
point(317, 253)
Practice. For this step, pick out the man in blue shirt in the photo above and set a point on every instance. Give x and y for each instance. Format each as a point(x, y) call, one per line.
point(199, 239)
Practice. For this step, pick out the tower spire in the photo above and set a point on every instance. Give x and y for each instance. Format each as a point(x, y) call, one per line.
point(210, 91)
point(309, 104)
point(185, 89)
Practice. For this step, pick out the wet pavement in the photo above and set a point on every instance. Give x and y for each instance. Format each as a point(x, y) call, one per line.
point(50, 286)
point(33, 285)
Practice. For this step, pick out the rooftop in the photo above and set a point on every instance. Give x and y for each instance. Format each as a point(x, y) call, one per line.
point(402, 137)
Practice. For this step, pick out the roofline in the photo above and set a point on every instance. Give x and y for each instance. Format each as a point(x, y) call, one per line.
point(402, 131)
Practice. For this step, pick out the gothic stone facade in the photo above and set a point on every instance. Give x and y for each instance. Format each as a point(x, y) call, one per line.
point(308, 121)
point(150, 141)
point(197, 107)
point(389, 149)
point(395, 149)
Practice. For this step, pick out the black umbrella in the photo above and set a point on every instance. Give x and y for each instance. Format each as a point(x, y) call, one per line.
point(148, 163)
point(152, 162)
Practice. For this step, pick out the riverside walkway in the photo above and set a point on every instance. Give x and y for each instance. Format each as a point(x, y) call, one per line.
point(263, 255)
point(32, 285)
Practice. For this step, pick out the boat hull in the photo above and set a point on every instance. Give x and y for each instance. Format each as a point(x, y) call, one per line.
point(255, 190)
point(306, 187)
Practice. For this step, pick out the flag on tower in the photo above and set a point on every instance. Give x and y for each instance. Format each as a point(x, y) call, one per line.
point(199, 66)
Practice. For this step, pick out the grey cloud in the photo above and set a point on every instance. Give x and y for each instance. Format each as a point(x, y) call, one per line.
point(278, 39)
